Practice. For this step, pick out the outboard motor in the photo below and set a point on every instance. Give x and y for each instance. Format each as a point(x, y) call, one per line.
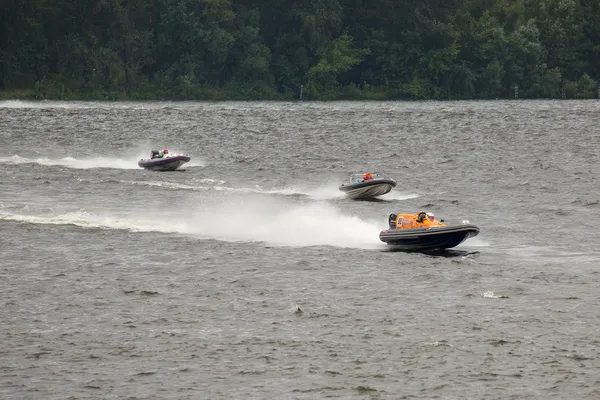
point(392, 221)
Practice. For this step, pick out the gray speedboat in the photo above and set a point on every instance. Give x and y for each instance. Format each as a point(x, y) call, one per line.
point(359, 189)
point(166, 163)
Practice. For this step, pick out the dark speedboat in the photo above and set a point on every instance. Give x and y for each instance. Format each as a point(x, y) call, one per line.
point(168, 162)
point(406, 233)
point(360, 188)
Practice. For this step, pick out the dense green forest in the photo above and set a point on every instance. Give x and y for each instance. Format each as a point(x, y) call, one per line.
point(273, 49)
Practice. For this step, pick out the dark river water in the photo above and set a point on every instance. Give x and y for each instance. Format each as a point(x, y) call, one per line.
point(249, 275)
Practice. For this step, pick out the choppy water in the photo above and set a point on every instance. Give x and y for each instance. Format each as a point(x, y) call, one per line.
point(250, 276)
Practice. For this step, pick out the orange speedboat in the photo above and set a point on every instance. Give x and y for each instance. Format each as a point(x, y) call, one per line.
point(421, 231)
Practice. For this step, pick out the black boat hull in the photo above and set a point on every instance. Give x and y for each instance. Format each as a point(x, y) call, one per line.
point(435, 238)
point(368, 189)
point(163, 164)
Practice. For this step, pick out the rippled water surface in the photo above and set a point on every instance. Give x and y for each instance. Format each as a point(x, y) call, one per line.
point(249, 275)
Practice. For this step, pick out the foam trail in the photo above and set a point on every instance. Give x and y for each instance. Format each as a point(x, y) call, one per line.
point(44, 104)
point(274, 223)
point(279, 223)
point(323, 193)
point(87, 220)
point(220, 185)
point(206, 184)
point(21, 104)
point(71, 162)
point(73, 105)
point(82, 163)
point(167, 185)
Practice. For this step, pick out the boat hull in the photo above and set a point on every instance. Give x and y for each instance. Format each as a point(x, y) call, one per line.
point(163, 164)
point(435, 238)
point(368, 189)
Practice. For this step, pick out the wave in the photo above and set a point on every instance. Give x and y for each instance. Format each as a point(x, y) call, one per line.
point(274, 223)
point(84, 163)
point(476, 242)
point(539, 252)
point(399, 196)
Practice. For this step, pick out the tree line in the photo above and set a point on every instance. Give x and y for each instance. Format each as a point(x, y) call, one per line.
point(276, 49)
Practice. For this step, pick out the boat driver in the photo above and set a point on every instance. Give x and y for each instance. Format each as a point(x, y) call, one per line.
point(392, 221)
point(158, 154)
point(368, 176)
point(428, 220)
